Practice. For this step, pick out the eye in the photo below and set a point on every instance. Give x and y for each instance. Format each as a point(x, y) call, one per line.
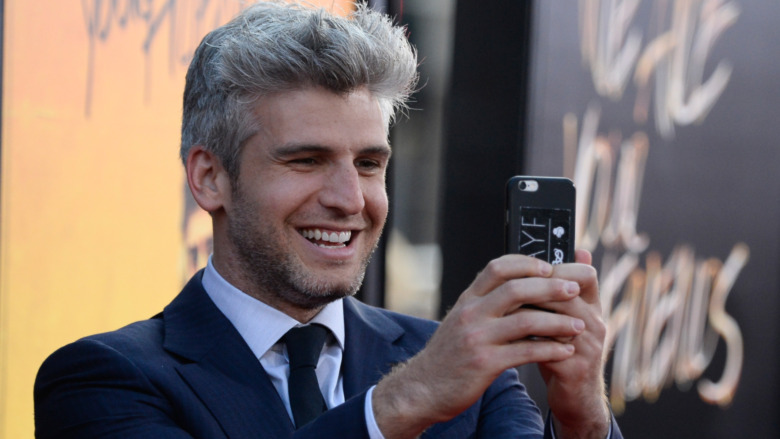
point(368, 165)
point(304, 161)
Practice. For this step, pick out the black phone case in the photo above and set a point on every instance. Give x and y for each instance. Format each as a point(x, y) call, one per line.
point(540, 222)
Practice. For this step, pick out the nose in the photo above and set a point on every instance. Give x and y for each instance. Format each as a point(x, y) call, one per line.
point(342, 190)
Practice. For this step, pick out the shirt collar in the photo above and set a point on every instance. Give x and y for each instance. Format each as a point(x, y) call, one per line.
point(260, 325)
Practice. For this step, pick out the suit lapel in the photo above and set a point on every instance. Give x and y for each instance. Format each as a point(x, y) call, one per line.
point(373, 346)
point(220, 367)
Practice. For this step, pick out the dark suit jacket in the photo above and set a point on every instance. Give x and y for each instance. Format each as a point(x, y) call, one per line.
point(188, 373)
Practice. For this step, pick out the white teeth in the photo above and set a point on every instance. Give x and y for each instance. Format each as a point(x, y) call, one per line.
point(334, 237)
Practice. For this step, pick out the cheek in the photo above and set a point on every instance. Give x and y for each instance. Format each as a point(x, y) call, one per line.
point(377, 204)
point(266, 207)
point(284, 195)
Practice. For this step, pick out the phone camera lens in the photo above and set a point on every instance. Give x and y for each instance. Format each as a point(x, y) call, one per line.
point(528, 185)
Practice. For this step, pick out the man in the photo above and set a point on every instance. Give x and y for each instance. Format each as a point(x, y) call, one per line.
point(284, 139)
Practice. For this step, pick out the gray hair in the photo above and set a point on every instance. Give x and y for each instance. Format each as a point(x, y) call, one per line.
point(273, 47)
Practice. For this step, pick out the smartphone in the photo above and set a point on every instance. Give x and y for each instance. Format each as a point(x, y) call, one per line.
point(540, 217)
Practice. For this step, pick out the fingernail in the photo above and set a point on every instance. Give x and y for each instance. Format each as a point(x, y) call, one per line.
point(545, 269)
point(572, 288)
point(578, 325)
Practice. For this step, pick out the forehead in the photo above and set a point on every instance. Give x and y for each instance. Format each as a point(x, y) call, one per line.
point(322, 117)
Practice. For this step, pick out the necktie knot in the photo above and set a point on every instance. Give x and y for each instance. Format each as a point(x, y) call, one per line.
point(304, 345)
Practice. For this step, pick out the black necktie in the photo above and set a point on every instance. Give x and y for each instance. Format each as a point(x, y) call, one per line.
point(303, 348)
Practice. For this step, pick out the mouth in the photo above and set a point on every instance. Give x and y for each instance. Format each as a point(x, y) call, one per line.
point(327, 238)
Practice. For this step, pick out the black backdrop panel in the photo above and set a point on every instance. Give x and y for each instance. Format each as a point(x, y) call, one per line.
point(483, 135)
point(677, 102)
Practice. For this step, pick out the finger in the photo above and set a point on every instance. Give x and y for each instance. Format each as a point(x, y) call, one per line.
point(583, 256)
point(561, 339)
point(584, 275)
point(534, 351)
point(574, 308)
point(578, 308)
point(527, 323)
point(506, 268)
point(589, 350)
point(515, 293)
point(590, 314)
point(581, 273)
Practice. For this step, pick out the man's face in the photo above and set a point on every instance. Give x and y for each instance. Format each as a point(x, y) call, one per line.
point(310, 202)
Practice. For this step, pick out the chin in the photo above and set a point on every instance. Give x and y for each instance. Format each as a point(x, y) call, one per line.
point(310, 292)
point(315, 297)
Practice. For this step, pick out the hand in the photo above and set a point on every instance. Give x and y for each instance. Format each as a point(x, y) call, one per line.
point(575, 385)
point(485, 333)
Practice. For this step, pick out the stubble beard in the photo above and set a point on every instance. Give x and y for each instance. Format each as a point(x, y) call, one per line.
point(276, 274)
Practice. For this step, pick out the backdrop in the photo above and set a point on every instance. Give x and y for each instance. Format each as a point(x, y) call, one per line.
point(96, 229)
point(663, 112)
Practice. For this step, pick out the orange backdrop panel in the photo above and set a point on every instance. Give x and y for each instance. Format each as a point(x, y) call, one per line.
point(92, 188)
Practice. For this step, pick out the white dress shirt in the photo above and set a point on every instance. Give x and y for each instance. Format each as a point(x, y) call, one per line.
point(262, 326)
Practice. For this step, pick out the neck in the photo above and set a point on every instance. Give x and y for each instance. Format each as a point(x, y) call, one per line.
point(225, 267)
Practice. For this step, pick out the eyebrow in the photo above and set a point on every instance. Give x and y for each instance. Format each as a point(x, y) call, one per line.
point(296, 148)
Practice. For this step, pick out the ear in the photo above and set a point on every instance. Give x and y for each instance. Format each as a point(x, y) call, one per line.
point(208, 180)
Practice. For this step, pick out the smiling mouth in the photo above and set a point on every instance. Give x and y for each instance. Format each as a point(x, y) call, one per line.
point(326, 238)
